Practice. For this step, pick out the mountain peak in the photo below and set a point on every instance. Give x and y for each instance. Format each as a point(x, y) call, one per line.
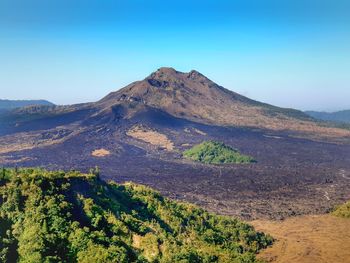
point(167, 70)
point(194, 74)
point(163, 73)
point(166, 76)
point(194, 97)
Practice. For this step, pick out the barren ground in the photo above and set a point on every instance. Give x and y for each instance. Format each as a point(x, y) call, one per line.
point(151, 136)
point(100, 152)
point(307, 239)
point(291, 177)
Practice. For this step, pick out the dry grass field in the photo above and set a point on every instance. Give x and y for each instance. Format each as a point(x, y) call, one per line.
point(307, 239)
point(100, 152)
point(152, 137)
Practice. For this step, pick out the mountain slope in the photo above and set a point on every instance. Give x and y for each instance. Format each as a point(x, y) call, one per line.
point(187, 96)
point(42, 117)
point(339, 116)
point(194, 97)
point(72, 217)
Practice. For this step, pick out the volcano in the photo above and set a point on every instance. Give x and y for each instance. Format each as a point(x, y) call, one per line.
point(139, 133)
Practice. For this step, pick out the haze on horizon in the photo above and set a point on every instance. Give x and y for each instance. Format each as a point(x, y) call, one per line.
point(286, 53)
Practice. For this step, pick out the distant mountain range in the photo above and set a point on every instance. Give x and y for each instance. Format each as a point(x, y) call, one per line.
point(12, 104)
point(338, 116)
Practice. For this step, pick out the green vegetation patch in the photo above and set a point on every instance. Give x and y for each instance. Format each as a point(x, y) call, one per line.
point(73, 217)
point(342, 210)
point(212, 152)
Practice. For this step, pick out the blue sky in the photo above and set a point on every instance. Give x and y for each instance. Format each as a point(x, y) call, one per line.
point(287, 53)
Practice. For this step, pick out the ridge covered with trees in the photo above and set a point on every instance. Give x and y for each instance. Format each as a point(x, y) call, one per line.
point(56, 216)
point(212, 152)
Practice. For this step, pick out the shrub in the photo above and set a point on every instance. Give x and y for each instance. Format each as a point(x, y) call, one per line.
point(342, 210)
point(212, 152)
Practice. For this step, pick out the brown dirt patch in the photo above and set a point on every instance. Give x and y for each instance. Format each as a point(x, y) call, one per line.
point(151, 136)
point(136, 241)
point(307, 239)
point(100, 152)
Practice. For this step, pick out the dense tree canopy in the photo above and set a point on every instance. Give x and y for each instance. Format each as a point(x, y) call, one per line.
point(73, 217)
point(212, 152)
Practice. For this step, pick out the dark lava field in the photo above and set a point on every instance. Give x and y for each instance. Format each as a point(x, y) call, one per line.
point(292, 176)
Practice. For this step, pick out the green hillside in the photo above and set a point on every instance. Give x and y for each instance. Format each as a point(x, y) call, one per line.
point(73, 217)
point(342, 210)
point(212, 152)
point(12, 104)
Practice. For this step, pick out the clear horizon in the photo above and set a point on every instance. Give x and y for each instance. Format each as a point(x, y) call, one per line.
point(288, 53)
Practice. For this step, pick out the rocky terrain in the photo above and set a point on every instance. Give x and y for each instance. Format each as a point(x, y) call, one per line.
point(140, 132)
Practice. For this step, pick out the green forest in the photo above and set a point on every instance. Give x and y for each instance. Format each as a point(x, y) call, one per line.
point(212, 152)
point(56, 216)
